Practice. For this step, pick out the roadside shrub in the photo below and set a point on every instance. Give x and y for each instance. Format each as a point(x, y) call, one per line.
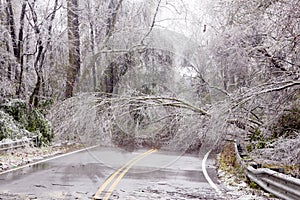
point(16, 108)
point(37, 123)
point(16, 120)
point(10, 128)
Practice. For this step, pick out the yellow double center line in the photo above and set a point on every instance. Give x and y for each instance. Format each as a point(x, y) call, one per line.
point(122, 171)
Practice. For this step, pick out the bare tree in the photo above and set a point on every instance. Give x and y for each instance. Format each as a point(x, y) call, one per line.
point(42, 49)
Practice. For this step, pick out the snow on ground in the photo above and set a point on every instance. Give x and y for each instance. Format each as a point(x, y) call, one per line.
point(236, 188)
point(22, 156)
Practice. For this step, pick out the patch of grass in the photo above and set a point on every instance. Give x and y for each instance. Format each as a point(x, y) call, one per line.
point(249, 148)
point(228, 161)
point(253, 185)
point(260, 145)
point(227, 158)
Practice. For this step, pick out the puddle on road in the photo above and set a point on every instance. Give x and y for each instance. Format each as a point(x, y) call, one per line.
point(39, 167)
point(14, 175)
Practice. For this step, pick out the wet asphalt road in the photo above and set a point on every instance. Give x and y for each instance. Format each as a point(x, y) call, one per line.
point(159, 175)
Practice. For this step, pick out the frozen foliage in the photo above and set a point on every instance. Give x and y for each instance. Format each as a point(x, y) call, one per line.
point(130, 121)
point(9, 128)
point(16, 108)
point(12, 117)
point(254, 48)
point(284, 151)
point(6, 89)
point(18, 121)
point(78, 119)
point(256, 54)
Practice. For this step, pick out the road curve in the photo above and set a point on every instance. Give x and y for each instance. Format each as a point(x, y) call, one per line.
point(144, 174)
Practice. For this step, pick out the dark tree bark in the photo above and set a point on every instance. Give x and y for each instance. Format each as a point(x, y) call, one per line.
point(20, 57)
point(94, 73)
point(92, 42)
point(33, 100)
point(113, 73)
point(73, 69)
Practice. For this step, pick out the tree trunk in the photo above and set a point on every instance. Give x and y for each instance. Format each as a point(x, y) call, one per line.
point(74, 47)
point(4, 22)
point(110, 75)
point(109, 20)
point(113, 73)
point(20, 49)
point(33, 100)
point(11, 26)
point(38, 65)
point(12, 32)
point(94, 73)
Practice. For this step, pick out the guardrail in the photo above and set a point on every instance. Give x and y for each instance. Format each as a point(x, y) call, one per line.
point(278, 184)
point(14, 144)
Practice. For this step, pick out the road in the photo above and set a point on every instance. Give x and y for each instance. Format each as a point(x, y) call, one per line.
point(144, 174)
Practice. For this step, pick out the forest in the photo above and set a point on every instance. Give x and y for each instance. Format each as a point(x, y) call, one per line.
point(170, 74)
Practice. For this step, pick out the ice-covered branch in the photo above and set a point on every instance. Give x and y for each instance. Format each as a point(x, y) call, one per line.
point(152, 24)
